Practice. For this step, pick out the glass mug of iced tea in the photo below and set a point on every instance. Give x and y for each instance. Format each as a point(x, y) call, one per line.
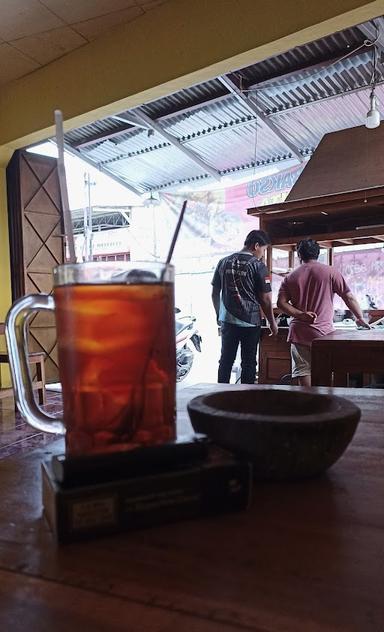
point(116, 347)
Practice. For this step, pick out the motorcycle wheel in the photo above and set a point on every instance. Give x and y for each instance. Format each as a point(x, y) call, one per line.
point(184, 362)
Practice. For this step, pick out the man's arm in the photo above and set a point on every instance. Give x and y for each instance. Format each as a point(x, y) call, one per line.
point(352, 304)
point(288, 309)
point(216, 301)
point(266, 305)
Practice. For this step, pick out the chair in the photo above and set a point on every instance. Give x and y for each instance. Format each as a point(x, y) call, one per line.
point(37, 359)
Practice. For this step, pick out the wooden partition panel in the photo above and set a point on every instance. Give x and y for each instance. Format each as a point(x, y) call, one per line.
point(274, 358)
point(36, 241)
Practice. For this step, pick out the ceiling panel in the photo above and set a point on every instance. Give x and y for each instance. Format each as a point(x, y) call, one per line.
point(82, 10)
point(91, 29)
point(20, 18)
point(45, 47)
point(14, 64)
point(45, 30)
point(148, 5)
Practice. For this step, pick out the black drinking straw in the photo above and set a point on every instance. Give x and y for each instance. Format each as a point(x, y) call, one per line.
point(169, 257)
point(176, 233)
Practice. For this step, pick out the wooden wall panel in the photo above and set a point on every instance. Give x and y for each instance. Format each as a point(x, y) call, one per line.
point(36, 240)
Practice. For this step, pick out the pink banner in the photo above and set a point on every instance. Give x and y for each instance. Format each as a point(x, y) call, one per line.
point(268, 190)
point(220, 218)
point(364, 271)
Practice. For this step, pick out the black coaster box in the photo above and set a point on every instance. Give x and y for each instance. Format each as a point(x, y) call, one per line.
point(108, 466)
point(120, 491)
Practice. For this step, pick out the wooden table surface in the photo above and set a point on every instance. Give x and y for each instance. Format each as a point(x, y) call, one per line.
point(357, 336)
point(307, 556)
point(346, 352)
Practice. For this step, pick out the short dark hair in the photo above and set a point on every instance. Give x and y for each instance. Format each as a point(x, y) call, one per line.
point(257, 237)
point(308, 249)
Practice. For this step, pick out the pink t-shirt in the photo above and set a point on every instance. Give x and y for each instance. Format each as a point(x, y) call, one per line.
point(311, 288)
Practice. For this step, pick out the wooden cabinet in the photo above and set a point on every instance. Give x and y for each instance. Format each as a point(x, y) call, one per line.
point(274, 357)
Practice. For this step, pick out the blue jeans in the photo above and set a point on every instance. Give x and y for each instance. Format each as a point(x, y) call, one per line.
point(231, 336)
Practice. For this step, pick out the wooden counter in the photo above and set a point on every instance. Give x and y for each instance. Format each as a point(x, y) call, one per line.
point(345, 352)
point(306, 556)
point(274, 357)
point(334, 357)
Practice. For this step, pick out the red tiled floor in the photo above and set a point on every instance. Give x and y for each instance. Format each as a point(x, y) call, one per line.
point(18, 436)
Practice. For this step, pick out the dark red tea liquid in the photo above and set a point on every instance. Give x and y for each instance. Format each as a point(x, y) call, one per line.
point(117, 365)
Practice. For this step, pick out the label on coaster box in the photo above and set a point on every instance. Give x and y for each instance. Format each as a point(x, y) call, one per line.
point(220, 484)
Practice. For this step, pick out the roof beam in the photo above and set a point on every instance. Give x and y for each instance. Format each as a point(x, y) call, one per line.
point(101, 137)
point(130, 119)
point(374, 31)
point(75, 152)
point(128, 123)
point(141, 116)
point(252, 107)
point(118, 131)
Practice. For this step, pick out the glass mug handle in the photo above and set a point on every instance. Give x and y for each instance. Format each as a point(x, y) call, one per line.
point(16, 332)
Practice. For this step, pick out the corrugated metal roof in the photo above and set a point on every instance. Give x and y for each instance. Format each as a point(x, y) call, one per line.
point(302, 94)
point(238, 146)
point(186, 98)
point(82, 134)
point(308, 125)
point(322, 50)
point(163, 166)
point(341, 77)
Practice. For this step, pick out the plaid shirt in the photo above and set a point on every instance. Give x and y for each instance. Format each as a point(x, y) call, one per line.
point(241, 278)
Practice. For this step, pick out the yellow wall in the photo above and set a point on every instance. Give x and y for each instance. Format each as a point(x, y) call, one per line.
point(5, 291)
point(5, 294)
point(173, 46)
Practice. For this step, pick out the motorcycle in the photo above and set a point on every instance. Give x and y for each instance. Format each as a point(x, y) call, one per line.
point(188, 340)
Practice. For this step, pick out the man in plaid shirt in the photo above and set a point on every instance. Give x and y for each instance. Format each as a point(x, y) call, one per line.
point(241, 285)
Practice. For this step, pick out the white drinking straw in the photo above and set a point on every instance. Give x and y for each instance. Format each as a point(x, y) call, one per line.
point(63, 186)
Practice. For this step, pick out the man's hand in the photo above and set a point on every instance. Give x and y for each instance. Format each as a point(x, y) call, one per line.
point(307, 317)
point(273, 328)
point(351, 302)
point(360, 322)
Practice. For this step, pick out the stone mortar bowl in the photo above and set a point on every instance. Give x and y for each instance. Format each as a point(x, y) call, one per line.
point(286, 434)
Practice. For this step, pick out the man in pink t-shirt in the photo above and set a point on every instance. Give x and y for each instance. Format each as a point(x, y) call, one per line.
point(307, 294)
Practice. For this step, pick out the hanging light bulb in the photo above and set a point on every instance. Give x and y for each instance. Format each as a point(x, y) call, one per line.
point(373, 114)
point(152, 201)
